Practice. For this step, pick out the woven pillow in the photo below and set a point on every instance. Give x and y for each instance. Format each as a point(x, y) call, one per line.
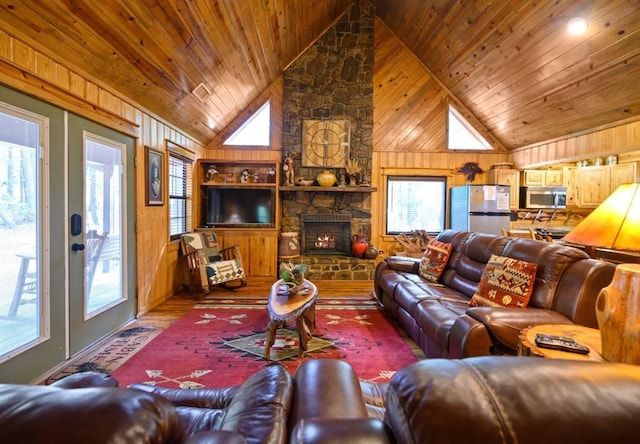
point(505, 282)
point(434, 260)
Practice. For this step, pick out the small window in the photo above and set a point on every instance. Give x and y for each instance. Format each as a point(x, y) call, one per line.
point(416, 203)
point(255, 131)
point(462, 135)
point(180, 170)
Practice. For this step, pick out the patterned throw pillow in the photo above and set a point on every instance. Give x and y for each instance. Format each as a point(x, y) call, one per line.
point(505, 282)
point(434, 260)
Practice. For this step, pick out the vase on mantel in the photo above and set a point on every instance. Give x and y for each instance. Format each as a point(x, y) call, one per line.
point(326, 179)
point(359, 245)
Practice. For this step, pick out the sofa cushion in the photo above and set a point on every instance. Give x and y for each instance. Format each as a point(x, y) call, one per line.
point(505, 282)
point(434, 260)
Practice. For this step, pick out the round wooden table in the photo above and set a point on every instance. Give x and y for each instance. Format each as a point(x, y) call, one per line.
point(583, 335)
point(284, 308)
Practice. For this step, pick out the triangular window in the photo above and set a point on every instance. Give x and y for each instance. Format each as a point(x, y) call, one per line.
point(255, 131)
point(462, 135)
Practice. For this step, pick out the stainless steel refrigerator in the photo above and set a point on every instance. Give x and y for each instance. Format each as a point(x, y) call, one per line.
point(481, 208)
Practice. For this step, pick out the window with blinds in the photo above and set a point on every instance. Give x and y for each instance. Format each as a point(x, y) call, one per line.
point(180, 193)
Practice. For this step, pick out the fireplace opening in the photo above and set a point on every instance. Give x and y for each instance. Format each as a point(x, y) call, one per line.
point(326, 234)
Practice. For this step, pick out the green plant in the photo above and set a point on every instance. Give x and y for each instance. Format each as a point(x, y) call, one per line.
point(294, 273)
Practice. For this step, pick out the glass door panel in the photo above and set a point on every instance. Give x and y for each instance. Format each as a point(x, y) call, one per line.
point(20, 258)
point(103, 281)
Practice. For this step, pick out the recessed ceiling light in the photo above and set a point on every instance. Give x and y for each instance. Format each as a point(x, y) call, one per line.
point(577, 26)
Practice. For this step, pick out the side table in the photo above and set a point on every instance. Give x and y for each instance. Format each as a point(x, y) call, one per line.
point(583, 335)
point(283, 308)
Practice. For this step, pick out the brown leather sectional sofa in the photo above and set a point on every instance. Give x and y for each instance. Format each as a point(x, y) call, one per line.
point(437, 315)
point(490, 399)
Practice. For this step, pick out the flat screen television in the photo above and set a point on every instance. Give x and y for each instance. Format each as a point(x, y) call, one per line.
point(239, 207)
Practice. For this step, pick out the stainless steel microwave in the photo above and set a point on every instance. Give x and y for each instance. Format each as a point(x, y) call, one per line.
point(543, 197)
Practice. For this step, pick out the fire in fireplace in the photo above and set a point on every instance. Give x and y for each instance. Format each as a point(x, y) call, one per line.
point(326, 234)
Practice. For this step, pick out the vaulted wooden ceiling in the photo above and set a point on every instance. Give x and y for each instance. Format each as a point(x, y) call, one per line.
point(511, 62)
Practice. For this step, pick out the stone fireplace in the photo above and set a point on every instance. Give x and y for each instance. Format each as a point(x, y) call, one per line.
point(326, 234)
point(332, 79)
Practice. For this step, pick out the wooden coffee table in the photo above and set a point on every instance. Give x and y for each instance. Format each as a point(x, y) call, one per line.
point(284, 308)
point(584, 335)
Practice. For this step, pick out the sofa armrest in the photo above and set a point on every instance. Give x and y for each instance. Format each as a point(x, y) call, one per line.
point(326, 389)
point(505, 324)
point(338, 431)
point(404, 264)
point(86, 379)
point(210, 398)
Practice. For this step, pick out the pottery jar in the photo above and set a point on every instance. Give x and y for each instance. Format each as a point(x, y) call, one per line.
point(359, 245)
point(326, 179)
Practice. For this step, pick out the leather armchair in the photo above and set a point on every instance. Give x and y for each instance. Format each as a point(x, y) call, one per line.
point(89, 408)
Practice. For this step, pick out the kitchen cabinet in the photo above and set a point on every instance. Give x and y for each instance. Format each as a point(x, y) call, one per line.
point(623, 173)
point(507, 177)
point(541, 178)
point(594, 185)
point(570, 181)
point(553, 178)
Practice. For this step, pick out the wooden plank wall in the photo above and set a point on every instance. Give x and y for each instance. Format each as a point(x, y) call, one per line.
point(409, 135)
point(26, 69)
point(618, 139)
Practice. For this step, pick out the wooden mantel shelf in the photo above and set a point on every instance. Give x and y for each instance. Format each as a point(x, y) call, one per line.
point(316, 189)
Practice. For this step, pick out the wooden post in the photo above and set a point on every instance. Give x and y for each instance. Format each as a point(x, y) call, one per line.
point(618, 313)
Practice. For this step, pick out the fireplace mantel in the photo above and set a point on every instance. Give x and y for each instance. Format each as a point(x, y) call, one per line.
point(317, 189)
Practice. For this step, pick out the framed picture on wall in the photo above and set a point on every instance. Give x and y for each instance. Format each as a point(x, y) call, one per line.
point(154, 176)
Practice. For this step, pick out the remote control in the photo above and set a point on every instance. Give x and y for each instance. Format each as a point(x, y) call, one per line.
point(562, 343)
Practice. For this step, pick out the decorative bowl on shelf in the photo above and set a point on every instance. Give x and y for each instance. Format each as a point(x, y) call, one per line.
point(304, 182)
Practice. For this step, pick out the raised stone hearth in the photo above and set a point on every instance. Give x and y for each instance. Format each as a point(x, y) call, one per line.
point(336, 268)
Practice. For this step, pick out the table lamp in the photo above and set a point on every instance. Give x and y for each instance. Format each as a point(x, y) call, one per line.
point(615, 224)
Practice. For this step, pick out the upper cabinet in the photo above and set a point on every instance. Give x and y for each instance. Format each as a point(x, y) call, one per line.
point(623, 173)
point(507, 177)
point(570, 181)
point(540, 178)
point(596, 183)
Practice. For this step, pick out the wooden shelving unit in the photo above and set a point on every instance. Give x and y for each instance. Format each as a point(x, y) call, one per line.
point(258, 242)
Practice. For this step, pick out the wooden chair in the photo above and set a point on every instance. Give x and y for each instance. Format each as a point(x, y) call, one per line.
point(93, 246)
point(208, 264)
point(27, 278)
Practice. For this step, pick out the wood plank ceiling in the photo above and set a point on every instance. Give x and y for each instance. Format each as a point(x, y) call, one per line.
point(511, 62)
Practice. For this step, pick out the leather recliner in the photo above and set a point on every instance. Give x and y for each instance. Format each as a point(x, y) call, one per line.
point(89, 408)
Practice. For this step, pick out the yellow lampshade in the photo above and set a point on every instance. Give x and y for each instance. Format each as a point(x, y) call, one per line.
point(615, 224)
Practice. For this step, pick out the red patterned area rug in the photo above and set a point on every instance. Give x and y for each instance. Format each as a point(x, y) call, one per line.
point(219, 346)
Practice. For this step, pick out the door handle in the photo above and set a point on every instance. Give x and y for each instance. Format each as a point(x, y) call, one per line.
point(77, 247)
